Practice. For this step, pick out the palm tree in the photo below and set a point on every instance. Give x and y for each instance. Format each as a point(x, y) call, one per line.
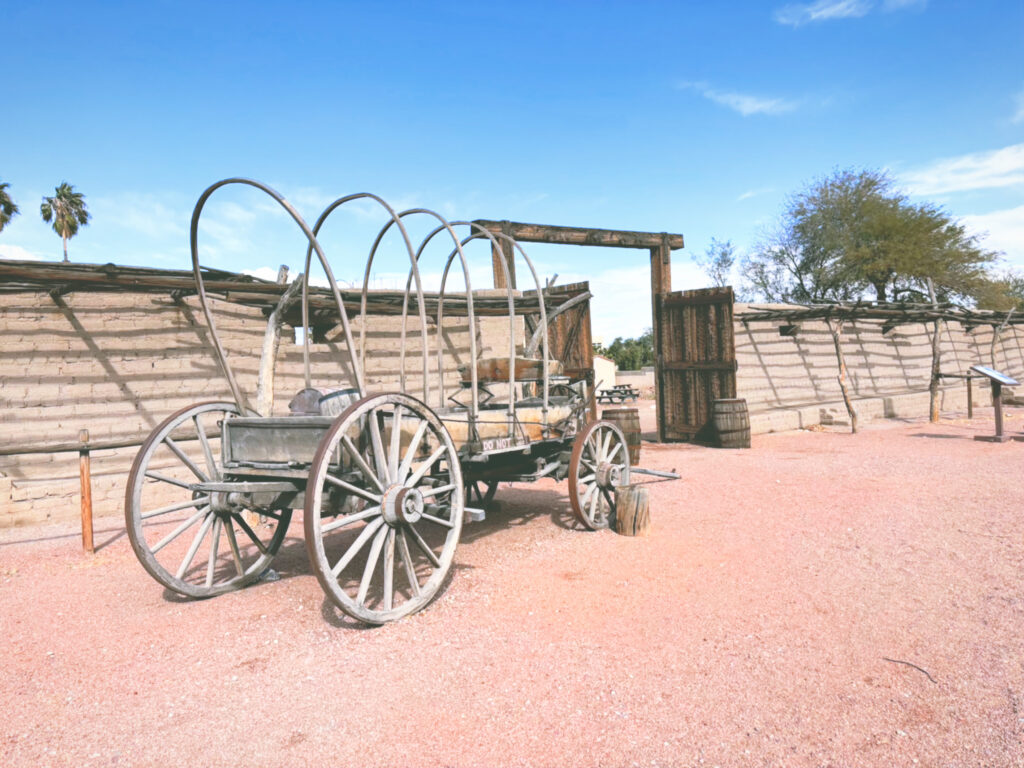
point(7, 206)
point(66, 209)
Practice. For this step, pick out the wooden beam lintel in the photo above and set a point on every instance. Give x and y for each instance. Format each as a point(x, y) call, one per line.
point(559, 235)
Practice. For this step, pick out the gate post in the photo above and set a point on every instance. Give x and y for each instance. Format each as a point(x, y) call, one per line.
point(661, 283)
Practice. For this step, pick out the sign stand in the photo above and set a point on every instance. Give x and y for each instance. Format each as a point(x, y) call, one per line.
point(998, 380)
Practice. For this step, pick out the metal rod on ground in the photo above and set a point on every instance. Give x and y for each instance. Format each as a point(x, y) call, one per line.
point(970, 396)
point(86, 478)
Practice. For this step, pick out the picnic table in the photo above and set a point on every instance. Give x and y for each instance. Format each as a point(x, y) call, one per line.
point(620, 393)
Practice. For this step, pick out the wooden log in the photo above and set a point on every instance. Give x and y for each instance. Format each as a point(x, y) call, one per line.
point(85, 476)
point(836, 329)
point(272, 342)
point(632, 510)
point(542, 233)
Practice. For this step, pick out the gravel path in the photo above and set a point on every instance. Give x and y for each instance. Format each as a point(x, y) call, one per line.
point(822, 599)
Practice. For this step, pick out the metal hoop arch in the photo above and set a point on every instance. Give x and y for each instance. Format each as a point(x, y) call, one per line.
point(314, 244)
point(358, 365)
point(511, 312)
point(543, 311)
point(445, 225)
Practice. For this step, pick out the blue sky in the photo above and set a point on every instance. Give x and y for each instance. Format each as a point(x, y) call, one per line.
point(697, 118)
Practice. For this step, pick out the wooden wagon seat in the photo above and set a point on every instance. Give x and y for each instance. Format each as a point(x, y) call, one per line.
point(496, 369)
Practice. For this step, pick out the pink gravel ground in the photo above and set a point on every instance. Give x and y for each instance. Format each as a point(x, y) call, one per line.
point(751, 629)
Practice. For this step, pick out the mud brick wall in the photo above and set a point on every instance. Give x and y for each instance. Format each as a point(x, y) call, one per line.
point(118, 364)
point(777, 371)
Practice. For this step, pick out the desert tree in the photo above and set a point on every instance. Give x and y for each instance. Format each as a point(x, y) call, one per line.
point(853, 234)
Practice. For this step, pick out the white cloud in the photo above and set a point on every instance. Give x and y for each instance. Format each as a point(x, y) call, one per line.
point(978, 170)
point(754, 193)
point(744, 104)
point(1005, 231)
point(1018, 114)
point(797, 14)
point(144, 214)
point(898, 5)
point(17, 253)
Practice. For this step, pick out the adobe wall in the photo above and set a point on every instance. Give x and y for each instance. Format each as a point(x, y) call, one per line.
point(118, 363)
point(791, 382)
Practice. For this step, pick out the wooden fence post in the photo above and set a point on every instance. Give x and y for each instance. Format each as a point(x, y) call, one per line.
point(86, 479)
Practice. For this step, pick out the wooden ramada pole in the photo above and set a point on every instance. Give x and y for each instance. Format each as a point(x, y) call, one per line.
point(86, 478)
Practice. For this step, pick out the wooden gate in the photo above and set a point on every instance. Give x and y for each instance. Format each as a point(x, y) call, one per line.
point(695, 359)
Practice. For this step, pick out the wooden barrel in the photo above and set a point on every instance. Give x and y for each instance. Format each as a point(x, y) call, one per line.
point(732, 424)
point(628, 420)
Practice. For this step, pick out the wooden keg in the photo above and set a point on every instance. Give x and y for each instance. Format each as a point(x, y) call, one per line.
point(628, 420)
point(732, 423)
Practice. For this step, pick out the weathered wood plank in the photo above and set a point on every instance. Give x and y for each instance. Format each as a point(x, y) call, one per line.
point(546, 233)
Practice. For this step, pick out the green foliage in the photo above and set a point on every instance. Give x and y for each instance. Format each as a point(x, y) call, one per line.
point(1002, 293)
point(717, 261)
point(630, 354)
point(852, 234)
point(67, 210)
point(8, 209)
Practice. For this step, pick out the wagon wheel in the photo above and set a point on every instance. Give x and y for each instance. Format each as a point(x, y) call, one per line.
point(480, 493)
point(195, 541)
point(387, 555)
point(600, 461)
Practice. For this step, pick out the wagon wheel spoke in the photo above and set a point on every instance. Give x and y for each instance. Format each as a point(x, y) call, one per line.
point(410, 568)
point(410, 453)
point(236, 555)
point(396, 443)
point(194, 548)
point(162, 506)
point(405, 454)
point(425, 467)
point(360, 492)
point(424, 547)
point(352, 519)
point(389, 570)
point(185, 459)
point(211, 564)
point(373, 421)
point(371, 563)
point(368, 473)
point(368, 531)
point(180, 530)
point(211, 464)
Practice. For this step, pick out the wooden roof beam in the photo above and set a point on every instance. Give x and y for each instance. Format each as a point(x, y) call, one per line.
point(610, 238)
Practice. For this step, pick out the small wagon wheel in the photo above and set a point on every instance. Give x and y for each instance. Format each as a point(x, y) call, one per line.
point(480, 493)
point(193, 540)
point(600, 461)
point(384, 507)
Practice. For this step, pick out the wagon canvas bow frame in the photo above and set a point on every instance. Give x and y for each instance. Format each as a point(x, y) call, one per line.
point(383, 485)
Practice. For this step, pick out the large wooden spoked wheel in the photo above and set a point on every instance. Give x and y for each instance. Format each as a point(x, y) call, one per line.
point(599, 462)
point(193, 540)
point(384, 507)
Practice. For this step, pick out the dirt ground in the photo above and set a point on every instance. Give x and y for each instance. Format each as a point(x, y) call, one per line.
point(821, 599)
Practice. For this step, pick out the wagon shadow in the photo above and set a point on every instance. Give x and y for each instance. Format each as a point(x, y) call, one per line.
point(523, 508)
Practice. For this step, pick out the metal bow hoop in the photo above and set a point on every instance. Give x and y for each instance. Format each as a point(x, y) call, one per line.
point(236, 391)
point(358, 365)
